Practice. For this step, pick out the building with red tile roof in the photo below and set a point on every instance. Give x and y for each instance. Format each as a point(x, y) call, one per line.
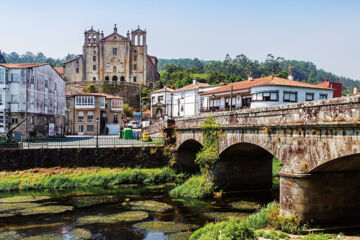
point(265, 91)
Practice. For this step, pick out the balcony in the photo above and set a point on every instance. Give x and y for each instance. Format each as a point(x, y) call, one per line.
point(85, 106)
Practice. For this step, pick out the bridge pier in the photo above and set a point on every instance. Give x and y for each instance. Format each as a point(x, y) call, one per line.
point(331, 197)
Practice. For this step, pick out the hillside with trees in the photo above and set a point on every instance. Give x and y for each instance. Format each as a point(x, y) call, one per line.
point(180, 72)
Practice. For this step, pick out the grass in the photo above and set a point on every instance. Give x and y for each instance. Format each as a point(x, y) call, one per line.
point(196, 187)
point(90, 177)
point(276, 166)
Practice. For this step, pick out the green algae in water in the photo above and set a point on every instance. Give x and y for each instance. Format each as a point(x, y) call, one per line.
point(131, 216)
point(23, 199)
point(9, 235)
point(179, 236)
point(150, 206)
point(87, 201)
point(165, 227)
point(80, 234)
point(11, 209)
point(223, 216)
point(245, 205)
point(45, 236)
point(51, 209)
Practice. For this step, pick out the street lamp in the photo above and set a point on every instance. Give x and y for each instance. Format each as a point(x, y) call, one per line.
point(97, 132)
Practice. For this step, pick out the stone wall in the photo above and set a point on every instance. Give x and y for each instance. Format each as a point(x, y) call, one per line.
point(11, 160)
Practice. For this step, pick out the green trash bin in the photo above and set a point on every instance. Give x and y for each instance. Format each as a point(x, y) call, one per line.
point(128, 133)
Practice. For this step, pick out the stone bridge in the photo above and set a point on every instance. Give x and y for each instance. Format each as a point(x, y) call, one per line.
point(317, 142)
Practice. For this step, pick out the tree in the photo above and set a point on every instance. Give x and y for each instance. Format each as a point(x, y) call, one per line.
point(91, 88)
point(197, 65)
point(128, 111)
point(2, 58)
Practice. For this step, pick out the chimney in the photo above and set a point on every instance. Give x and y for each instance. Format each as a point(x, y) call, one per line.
point(290, 77)
point(115, 29)
point(194, 81)
point(326, 80)
point(165, 88)
point(102, 34)
point(250, 77)
point(356, 89)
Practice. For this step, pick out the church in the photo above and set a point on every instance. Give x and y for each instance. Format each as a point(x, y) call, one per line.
point(113, 59)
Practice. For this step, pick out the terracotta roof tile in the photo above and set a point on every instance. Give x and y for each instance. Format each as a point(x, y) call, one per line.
point(192, 86)
point(22, 65)
point(163, 90)
point(60, 70)
point(265, 81)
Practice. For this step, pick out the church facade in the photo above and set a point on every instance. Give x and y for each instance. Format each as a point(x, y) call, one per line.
point(113, 59)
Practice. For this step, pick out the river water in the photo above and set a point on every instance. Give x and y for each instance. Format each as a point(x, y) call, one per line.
point(64, 214)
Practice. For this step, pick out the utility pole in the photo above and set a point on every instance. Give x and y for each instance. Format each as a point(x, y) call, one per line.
point(140, 109)
point(231, 97)
point(97, 132)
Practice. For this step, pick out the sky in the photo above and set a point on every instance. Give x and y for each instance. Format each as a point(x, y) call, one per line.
point(325, 32)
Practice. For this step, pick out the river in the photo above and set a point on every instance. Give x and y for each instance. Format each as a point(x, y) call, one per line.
point(96, 213)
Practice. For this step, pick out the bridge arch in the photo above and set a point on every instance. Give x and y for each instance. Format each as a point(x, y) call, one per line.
point(244, 166)
point(186, 154)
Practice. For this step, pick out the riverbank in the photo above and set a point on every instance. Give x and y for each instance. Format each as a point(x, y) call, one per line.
point(57, 178)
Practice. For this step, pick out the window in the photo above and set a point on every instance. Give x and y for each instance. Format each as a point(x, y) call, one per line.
point(122, 79)
point(90, 128)
point(266, 96)
point(114, 78)
point(14, 99)
point(153, 100)
point(323, 96)
point(135, 58)
point(182, 108)
point(107, 78)
point(290, 96)
point(94, 67)
point(134, 79)
point(309, 96)
point(102, 102)
point(150, 85)
point(2, 75)
point(135, 67)
point(160, 98)
point(1, 100)
point(55, 86)
point(32, 80)
point(94, 78)
point(116, 118)
point(114, 69)
point(84, 101)
point(14, 77)
point(32, 120)
point(32, 100)
point(116, 104)
point(77, 70)
point(14, 120)
point(81, 117)
point(90, 117)
point(80, 128)
point(114, 51)
point(46, 83)
point(94, 58)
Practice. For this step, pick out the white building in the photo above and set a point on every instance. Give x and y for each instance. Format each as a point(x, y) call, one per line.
point(182, 102)
point(32, 91)
point(264, 92)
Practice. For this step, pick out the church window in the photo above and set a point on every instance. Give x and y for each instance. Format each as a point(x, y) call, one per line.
point(122, 79)
point(115, 78)
point(77, 70)
point(114, 51)
point(94, 58)
point(134, 66)
point(114, 69)
point(94, 67)
point(107, 78)
point(134, 79)
point(135, 58)
point(94, 78)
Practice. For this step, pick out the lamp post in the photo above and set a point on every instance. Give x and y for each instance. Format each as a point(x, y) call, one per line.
point(97, 132)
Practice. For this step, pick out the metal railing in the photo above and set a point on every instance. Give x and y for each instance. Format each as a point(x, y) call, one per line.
point(82, 142)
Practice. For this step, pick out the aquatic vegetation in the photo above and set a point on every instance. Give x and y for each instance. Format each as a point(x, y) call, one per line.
point(80, 234)
point(179, 236)
point(11, 209)
point(23, 199)
point(97, 177)
point(165, 227)
point(196, 187)
point(223, 216)
point(45, 236)
point(50, 209)
point(9, 235)
point(231, 229)
point(86, 201)
point(276, 166)
point(131, 216)
point(245, 205)
point(150, 206)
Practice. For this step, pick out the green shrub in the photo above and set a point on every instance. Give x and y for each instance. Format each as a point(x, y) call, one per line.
point(228, 230)
point(320, 236)
point(196, 187)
